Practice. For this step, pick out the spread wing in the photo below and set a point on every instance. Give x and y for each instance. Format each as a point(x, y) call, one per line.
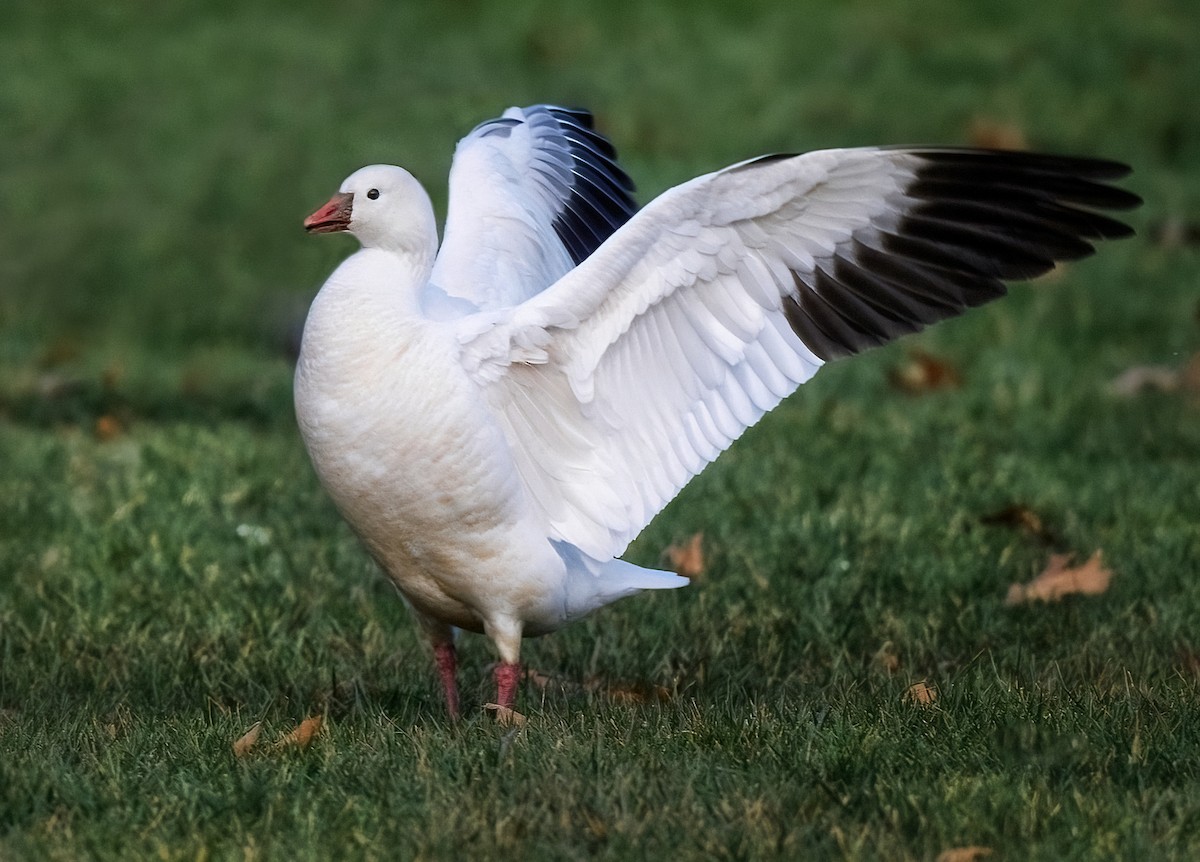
point(532, 193)
point(636, 369)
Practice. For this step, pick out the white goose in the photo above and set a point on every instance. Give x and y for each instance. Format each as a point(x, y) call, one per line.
point(498, 419)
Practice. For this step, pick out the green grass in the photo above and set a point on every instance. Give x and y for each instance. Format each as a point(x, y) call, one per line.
point(162, 590)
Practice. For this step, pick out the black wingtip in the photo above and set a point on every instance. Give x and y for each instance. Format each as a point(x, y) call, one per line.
point(967, 221)
point(600, 199)
point(1066, 179)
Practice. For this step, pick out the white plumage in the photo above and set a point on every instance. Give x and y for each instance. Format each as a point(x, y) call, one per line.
point(497, 420)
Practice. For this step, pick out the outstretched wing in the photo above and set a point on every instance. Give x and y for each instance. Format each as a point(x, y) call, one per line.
point(625, 378)
point(532, 194)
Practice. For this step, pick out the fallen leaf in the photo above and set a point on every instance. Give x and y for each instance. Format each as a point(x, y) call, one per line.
point(1139, 378)
point(1021, 517)
point(964, 854)
point(924, 372)
point(922, 693)
point(112, 375)
point(627, 693)
point(619, 692)
point(887, 658)
point(595, 825)
point(107, 428)
point(1174, 232)
point(1058, 579)
point(60, 352)
point(996, 134)
point(196, 381)
point(303, 735)
point(687, 558)
point(539, 679)
point(505, 717)
point(1161, 378)
point(52, 386)
point(638, 694)
point(1190, 662)
point(247, 740)
point(1189, 375)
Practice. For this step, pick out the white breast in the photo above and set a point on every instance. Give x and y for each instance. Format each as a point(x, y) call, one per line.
point(404, 444)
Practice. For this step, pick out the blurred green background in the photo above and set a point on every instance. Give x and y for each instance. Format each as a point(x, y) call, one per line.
point(158, 157)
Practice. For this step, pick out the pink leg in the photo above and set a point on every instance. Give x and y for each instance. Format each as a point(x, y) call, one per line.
point(508, 674)
point(447, 665)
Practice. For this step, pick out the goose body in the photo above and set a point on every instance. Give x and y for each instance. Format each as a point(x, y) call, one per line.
point(402, 438)
point(497, 419)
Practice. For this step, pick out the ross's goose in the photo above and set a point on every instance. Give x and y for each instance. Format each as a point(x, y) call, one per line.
point(498, 419)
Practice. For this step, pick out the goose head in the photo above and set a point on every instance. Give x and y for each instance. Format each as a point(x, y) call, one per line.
point(383, 207)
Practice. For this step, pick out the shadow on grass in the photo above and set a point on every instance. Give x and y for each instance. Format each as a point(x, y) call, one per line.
point(58, 401)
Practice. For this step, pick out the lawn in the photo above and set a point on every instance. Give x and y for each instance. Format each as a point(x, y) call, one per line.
point(171, 573)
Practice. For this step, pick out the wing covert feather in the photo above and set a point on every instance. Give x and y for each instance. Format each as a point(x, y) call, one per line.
point(712, 304)
point(532, 193)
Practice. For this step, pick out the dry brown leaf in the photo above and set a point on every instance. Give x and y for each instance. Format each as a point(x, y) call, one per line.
point(539, 679)
point(545, 681)
point(52, 386)
point(639, 694)
point(687, 558)
point(193, 382)
point(112, 375)
point(1059, 579)
point(1140, 378)
point(505, 717)
point(1190, 662)
point(964, 854)
point(887, 658)
point(1021, 517)
point(247, 740)
point(60, 352)
point(108, 427)
point(628, 693)
point(619, 692)
point(303, 735)
point(921, 693)
point(996, 135)
point(1174, 232)
point(595, 825)
point(1159, 378)
point(924, 372)
point(1189, 375)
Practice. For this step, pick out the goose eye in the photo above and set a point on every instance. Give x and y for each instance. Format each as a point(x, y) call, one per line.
point(373, 193)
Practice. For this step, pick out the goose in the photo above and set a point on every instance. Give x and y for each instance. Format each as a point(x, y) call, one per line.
point(498, 417)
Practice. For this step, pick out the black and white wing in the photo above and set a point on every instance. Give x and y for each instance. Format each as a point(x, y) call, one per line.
point(532, 194)
point(637, 368)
